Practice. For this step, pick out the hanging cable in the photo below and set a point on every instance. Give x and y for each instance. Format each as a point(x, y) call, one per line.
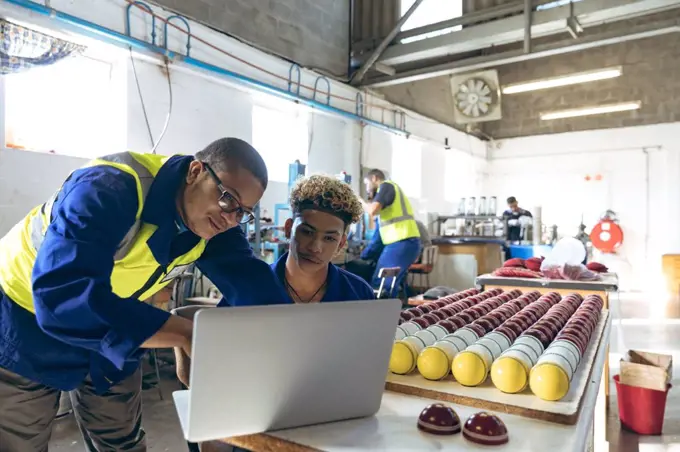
point(167, 117)
point(141, 98)
point(154, 143)
point(274, 74)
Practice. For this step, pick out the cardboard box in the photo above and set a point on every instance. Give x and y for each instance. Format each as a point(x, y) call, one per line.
point(646, 370)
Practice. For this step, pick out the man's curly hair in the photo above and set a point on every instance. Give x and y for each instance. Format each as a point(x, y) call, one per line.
point(328, 194)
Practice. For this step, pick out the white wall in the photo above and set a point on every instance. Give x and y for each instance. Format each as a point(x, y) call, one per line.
point(640, 169)
point(27, 179)
point(206, 107)
point(437, 192)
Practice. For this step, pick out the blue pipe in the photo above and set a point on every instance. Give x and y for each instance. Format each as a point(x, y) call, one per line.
point(113, 37)
point(165, 31)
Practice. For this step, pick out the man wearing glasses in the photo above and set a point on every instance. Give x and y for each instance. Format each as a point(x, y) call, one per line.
point(74, 273)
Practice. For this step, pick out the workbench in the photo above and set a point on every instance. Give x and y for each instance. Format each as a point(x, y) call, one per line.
point(393, 428)
point(608, 284)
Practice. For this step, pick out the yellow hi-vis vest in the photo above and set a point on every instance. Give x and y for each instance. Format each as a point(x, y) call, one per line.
point(136, 273)
point(396, 220)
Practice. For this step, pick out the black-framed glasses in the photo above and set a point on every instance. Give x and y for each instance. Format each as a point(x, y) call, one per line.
point(228, 202)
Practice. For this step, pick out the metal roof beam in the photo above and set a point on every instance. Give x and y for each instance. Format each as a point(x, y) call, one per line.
point(368, 64)
point(546, 50)
point(512, 29)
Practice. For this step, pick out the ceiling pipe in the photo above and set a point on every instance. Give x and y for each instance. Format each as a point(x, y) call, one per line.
point(516, 56)
point(527, 26)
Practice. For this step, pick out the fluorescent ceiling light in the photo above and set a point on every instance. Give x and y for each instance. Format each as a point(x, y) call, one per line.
point(564, 80)
point(595, 110)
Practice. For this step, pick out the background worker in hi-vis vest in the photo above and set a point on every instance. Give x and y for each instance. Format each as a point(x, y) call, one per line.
point(75, 271)
point(398, 230)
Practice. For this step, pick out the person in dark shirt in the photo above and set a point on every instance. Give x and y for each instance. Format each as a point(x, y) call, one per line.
point(512, 215)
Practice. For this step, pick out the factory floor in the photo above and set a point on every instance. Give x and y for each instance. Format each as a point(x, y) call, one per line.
point(162, 427)
point(647, 323)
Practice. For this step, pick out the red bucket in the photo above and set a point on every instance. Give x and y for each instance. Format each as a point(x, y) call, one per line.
point(641, 410)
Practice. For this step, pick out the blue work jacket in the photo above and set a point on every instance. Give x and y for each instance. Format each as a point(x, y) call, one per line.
point(341, 286)
point(106, 200)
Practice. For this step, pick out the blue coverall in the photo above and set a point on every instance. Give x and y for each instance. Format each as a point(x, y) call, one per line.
point(83, 327)
point(341, 285)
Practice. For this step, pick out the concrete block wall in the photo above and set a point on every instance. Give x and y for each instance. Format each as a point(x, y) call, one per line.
point(313, 33)
point(650, 74)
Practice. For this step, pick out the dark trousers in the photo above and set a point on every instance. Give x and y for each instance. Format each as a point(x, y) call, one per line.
point(364, 269)
point(108, 422)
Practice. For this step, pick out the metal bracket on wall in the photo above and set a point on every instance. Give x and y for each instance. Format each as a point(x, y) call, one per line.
point(528, 19)
point(165, 32)
point(573, 25)
point(359, 107)
point(149, 10)
point(328, 87)
point(402, 121)
point(290, 78)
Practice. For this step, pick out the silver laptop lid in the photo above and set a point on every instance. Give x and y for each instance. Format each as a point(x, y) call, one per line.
point(264, 368)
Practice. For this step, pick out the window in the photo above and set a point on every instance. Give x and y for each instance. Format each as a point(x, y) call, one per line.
point(555, 4)
point(281, 136)
point(431, 12)
point(460, 180)
point(407, 164)
point(73, 107)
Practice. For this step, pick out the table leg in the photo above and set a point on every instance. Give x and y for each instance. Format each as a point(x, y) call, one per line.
point(600, 417)
point(606, 374)
point(216, 446)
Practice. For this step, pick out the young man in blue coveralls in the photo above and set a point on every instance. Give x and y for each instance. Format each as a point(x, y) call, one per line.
point(323, 209)
point(398, 238)
point(75, 271)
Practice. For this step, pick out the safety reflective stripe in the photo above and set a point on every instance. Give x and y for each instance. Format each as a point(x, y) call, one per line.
point(39, 222)
point(405, 215)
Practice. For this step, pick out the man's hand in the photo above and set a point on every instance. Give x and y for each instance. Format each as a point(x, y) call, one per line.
point(371, 207)
point(186, 347)
point(175, 332)
point(183, 364)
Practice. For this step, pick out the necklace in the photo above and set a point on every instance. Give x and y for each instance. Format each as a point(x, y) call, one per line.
point(288, 285)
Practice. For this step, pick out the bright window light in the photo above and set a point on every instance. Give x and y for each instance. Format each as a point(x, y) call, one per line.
point(407, 165)
point(594, 110)
point(459, 180)
point(281, 137)
point(565, 80)
point(73, 107)
point(555, 4)
point(430, 12)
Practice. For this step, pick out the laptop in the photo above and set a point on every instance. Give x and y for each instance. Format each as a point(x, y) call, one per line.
point(264, 368)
